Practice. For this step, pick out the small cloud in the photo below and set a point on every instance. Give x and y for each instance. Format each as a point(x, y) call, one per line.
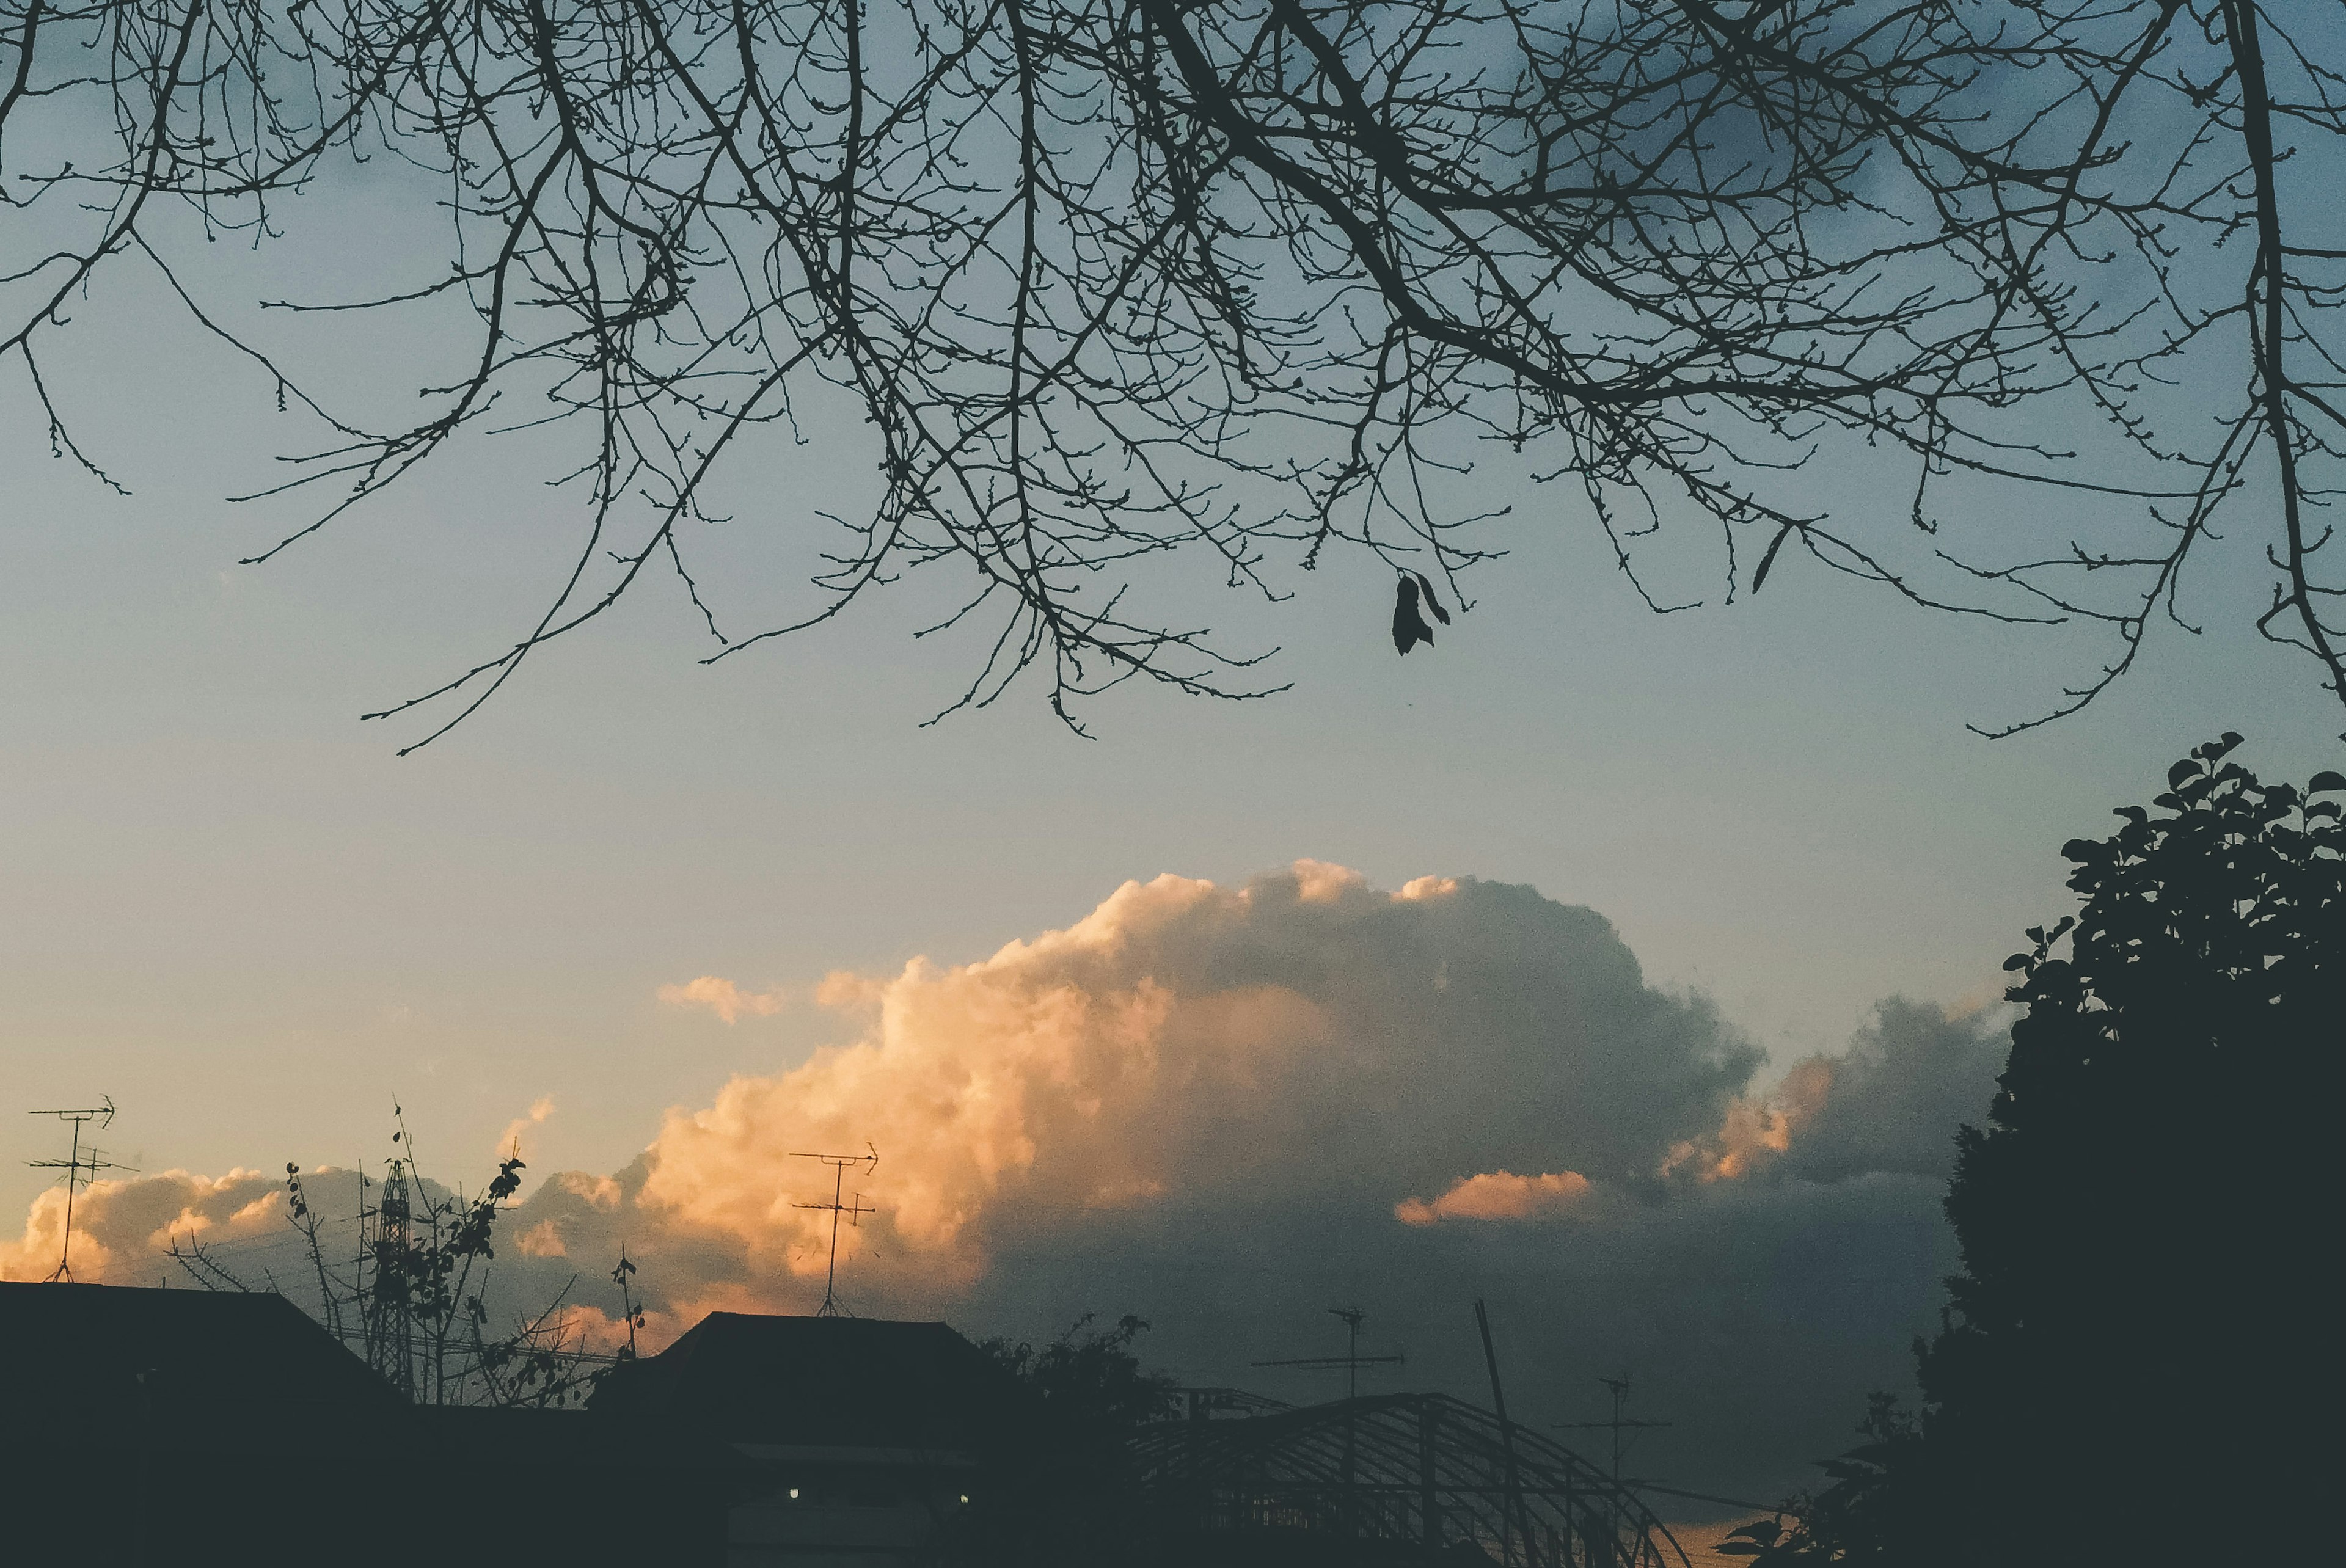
point(511, 1141)
point(600, 1194)
point(1497, 1195)
point(543, 1239)
point(723, 998)
point(1319, 882)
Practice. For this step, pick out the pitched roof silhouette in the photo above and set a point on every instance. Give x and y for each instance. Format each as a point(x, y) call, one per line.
point(108, 1352)
point(144, 1426)
point(829, 1381)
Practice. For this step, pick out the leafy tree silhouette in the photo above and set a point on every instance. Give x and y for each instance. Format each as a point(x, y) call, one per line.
point(1090, 1379)
point(1072, 1497)
point(2127, 1350)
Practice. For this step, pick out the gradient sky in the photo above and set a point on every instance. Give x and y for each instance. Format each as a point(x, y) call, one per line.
point(229, 906)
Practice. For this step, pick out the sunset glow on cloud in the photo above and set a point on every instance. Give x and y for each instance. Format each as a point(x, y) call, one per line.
point(1058, 1071)
point(123, 1226)
point(1498, 1195)
point(723, 998)
point(1304, 1040)
point(1755, 1129)
point(1187, 1040)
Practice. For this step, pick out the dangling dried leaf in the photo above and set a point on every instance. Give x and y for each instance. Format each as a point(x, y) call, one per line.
point(1409, 626)
point(1432, 603)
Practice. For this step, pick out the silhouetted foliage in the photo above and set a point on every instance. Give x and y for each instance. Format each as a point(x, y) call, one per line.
point(2142, 1317)
point(1089, 1381)
point(1875, 1506)
point(1238, 283)
point(410, 1296)
point(1074, 1496)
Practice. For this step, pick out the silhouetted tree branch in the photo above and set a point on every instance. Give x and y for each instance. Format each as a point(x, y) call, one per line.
point(1120, 286)
point(410, 1294)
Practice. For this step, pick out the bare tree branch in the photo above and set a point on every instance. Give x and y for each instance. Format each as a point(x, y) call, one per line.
point(1118, 288)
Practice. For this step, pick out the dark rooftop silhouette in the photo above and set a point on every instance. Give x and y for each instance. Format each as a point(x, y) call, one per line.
point(144, 1427)
point(102, 1352)
point(852, 1381)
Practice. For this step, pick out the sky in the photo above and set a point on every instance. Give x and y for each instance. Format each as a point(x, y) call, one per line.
point(1547, 964)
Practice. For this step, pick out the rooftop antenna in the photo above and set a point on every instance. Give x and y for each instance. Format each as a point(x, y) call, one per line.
point(1619, 1388)
point(90, 1160)
point(870, 1160)
point(1351, 1360)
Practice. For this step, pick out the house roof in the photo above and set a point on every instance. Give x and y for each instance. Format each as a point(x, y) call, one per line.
point(837, 1382)
point(108, 1352)
point(255, 1437)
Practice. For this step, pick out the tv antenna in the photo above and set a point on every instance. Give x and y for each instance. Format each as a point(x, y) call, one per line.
point(1619, 1388)
point(870, 1160)
point(1351, 1360)
point(81, 1169)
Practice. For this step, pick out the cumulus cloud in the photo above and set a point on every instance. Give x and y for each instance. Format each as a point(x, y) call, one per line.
point(1227, 1106)
point(124, 1229)
point(1907, 1081)
point(722, 997)
point(1303, 1041)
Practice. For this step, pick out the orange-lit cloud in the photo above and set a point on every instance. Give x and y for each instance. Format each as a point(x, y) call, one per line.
point(1757, 1130)
point(723, 998)
point(1056, 1073)
point(1303, 1041)
point(124, 1229)
point(1498, 1195)
point(1304, 1044)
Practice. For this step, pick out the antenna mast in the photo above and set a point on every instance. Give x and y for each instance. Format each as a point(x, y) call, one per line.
point(870, 1160)
point(75, 1166)
point(1351, 1360)
point(1619, 1388)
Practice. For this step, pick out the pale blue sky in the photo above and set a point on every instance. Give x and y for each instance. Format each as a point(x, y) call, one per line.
point(232, 908)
